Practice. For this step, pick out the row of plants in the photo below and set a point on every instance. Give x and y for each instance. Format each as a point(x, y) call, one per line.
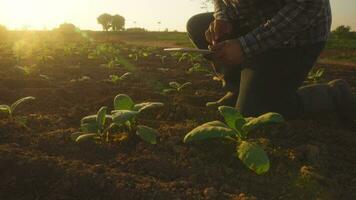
point(105, 126)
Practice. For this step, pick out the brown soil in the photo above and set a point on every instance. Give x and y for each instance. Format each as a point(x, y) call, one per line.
point(311, 159)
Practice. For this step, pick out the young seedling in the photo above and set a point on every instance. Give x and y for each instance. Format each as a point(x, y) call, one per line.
point(238, 128)
point(115, 79)
point(95, 127)
point(9, 110)
point(176, 87)
point(125, 114)
point(316, 76)
point(163, 58)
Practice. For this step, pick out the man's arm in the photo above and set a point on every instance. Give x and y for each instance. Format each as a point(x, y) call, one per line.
point(220, 10)
point(294, 17)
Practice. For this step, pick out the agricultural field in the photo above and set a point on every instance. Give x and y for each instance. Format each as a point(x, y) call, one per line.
point(48, 149)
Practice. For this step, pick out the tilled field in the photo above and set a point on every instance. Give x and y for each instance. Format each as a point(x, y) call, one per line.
point(310, 159)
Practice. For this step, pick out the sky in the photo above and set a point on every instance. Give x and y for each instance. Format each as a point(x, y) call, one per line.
point(173, 14)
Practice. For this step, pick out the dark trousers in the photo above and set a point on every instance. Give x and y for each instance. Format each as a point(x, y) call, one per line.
point(269, 81)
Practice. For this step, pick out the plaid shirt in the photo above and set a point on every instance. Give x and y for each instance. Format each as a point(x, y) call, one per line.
point(276, 23)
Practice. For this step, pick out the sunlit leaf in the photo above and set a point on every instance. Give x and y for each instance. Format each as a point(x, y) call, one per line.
point(122, 116)
point(5, 109)
point(233, 118)
point(101, 117)
point(268, 118)
point(92, 127)
point(210, 130)
point(86, 137)
point(147, 134)
point(254, 157)
point(123, 102)
point(19, 102)
point(147, 105)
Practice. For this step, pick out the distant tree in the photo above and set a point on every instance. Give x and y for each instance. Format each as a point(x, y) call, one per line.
point(67, 28)
point(343, 32)
point(117, 23)
point(105, 20)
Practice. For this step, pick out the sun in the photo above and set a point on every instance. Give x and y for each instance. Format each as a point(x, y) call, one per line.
point(33, 14)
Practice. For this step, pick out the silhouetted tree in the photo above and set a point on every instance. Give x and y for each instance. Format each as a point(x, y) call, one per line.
point(67, 28)
point(117, 23)
point(105, 20)
point(343, 32)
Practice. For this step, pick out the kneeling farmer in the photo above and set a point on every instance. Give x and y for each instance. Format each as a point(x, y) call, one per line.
point(264, 50)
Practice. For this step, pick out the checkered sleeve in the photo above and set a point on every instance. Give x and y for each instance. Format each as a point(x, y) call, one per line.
point(295, 17)
point(220, 10)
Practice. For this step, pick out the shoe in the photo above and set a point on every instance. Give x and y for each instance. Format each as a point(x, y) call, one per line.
point(336, 96)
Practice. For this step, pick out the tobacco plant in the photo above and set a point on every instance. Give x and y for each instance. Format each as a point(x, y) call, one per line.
point(9, 110)
point(126, 113)
point(316, 76)
point(115, 79)
point(176, 87)
point(237, 128)
point(98, 127)
point(95, 127)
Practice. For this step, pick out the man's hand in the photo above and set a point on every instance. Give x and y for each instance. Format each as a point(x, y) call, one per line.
point(218, 31)
point(228, 52)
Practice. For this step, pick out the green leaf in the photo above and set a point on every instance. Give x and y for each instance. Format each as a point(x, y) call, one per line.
point(92, 127)
point(87, 137)
point(262, 120)
point(147, 105)
point(101, 117)
point(254, 157)
point(233, 118)
point(122, 116)
point(19, 102)
point(147, 134)
point(123, 102)
point(89, 119)
point(215, 129)
point(5, 109)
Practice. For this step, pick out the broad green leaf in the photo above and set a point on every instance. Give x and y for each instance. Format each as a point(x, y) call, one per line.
point(122, 116)
point(101, 117)
point(174, 85)
point(147, 134)
point(262, 120)
point(123, 102)
point(92, 127)
point(147, 105)
point(19, 102)
point(233, 118)
point(254, 157)
point(210, 130)
point(5, 109)
point(87, 137)
point(88, 119)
